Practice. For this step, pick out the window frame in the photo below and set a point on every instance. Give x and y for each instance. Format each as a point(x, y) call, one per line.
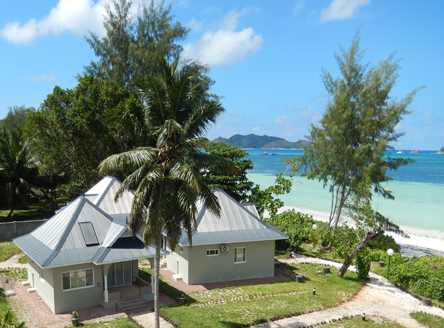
point(81, 287)
point(208, 252)
point(244, 253)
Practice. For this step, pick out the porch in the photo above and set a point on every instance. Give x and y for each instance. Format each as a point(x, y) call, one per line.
point(130, 296)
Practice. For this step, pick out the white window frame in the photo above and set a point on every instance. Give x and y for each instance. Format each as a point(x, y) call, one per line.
point(77, 288)
point(181, 249)
point(244, 252)
point(212, 252)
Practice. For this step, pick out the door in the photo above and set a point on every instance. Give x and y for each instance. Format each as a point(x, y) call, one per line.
point(120, 274)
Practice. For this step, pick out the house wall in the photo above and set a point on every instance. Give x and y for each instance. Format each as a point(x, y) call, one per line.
point(181, 257)
point(206, 269)
point(43, 285)
point(76, 299)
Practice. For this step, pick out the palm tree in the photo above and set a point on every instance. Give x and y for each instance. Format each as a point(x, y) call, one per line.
point(8, 321)
point(178, 110)
point(16, 170)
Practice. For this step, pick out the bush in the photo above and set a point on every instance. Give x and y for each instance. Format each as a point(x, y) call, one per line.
point(298, 227)
point(362, 265)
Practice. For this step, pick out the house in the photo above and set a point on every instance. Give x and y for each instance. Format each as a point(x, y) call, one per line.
point(237, 245)
point(86, 255)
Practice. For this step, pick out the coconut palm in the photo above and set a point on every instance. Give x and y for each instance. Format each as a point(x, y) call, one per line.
point(16, 170)
point(178, 110)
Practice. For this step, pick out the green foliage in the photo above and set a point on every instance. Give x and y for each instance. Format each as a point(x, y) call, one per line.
point(131, 48)
point(384, 242)
point(265, 200)
point(16, 117)
point(362, 264)
point(298, 227)
point(236, 185)
point(423, 276)
point(349, 144)
point(71, 134)
point(254, 141)
point(428, 319)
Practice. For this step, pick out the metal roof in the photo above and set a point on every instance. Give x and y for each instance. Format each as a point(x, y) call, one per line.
point(60, 241)
point(236, 223)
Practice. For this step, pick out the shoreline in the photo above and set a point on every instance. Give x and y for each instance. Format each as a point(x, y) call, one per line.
point(421, 242)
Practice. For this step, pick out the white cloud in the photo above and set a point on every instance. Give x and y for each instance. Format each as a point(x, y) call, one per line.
point(256, 128)
point(194, 26)
point(427, 114)
point(341, 9)
point(303, 111)
point(225, 46)
point(75, 16)
point(41, 78)
point(280, 119)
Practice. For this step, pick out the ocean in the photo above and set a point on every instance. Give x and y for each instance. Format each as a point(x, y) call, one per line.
point(418, 189)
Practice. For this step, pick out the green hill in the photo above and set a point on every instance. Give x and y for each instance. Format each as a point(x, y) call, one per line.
point(265, 142)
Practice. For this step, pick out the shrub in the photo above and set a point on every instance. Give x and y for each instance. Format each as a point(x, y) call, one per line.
point(362, 264)
point(298, 227)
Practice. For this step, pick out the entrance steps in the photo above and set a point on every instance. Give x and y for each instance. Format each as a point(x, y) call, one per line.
point(132, 303)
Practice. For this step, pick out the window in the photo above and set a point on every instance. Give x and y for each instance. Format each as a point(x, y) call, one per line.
point(77, 279)
point(240, 255)
point(212, 252)
point(42, 277)
point(181, 249)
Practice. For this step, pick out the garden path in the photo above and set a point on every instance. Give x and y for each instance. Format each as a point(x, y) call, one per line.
point(378, 298)
point(12, 262)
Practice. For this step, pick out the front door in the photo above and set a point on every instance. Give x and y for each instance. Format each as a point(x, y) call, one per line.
point(120, 273)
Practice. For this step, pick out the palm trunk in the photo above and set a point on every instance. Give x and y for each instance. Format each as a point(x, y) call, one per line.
point(367, 237)
point(156, 287)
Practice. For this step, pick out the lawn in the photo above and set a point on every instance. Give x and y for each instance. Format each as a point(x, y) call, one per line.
point(357, 322)
point(40, 210)
point(122, 322)
point(7, 249)
point(428, 320)
point(247, 305)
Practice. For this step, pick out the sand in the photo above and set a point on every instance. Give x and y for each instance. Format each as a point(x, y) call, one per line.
point(420, 243)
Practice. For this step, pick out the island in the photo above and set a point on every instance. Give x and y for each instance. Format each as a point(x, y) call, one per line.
point(440, 152)
point(415, 152)
point(262, 142)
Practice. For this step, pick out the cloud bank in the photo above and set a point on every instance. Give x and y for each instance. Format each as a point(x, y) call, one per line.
point(225, 46)
point(342, 9)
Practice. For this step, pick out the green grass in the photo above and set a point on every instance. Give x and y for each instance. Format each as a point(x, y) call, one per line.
point(23, 259)
point(357, 322)
point(428, 320)
point(7, 249)
point(4, 307)
point(40, 210)
point(122, 322)
point(164, 287)
point(247, 304)
point(18, 273)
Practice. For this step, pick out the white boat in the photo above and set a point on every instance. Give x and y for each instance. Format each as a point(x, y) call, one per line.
point(400, 152)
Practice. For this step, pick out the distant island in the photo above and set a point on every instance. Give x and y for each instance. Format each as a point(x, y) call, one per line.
point(441, 152)
point(261, 142)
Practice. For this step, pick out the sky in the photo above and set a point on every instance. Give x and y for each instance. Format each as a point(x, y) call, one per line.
point(266, 57)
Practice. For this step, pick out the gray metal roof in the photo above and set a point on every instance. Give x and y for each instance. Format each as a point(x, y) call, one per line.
point(236, 223)
point(60, 241)
point(103, 194)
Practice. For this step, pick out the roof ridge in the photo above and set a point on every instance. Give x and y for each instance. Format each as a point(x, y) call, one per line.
point(65, 234)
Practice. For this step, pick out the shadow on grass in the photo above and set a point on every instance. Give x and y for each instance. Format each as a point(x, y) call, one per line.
point(165, 288)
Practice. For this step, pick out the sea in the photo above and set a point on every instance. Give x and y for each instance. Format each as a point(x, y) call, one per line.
point(418, 189)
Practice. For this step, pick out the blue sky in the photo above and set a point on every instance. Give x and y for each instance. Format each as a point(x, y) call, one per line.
point(266, 57)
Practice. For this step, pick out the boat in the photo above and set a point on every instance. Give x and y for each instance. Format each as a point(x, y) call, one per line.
point(387, 189)
point(400, 152)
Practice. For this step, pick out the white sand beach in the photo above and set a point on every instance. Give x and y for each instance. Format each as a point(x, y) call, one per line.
point(420, 243)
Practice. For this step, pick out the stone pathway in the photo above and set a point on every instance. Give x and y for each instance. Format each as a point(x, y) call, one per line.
point(146, 320)
point(13, 262)
point(378, 298)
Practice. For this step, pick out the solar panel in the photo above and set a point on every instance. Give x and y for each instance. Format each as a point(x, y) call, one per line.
point(88, 233)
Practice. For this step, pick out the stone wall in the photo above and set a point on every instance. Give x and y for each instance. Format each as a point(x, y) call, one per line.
point(10, 230)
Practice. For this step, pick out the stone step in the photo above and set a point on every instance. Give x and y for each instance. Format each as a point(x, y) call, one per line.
point(9, 293)
point(32, 290)
point(25, 283)
point(132, 303)
point(177, 277)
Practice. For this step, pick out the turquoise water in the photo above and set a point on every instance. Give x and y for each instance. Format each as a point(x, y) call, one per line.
point(418, 188)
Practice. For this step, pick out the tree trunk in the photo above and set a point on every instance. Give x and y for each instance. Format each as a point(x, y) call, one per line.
point(344, 195)
point(157, 280)
point(367, 237)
